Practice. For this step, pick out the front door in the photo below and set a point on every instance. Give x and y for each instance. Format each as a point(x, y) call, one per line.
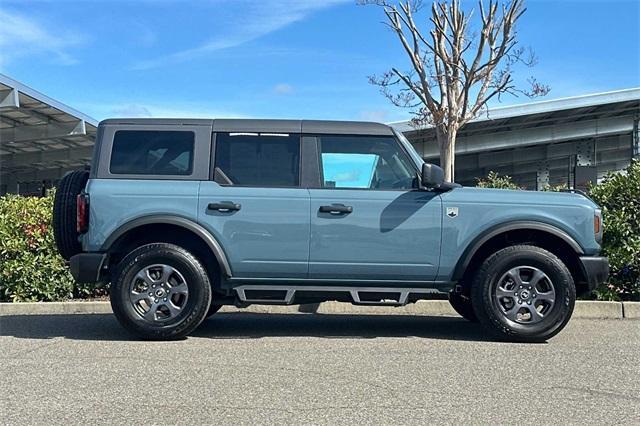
point(255, 206)
point(368, 220)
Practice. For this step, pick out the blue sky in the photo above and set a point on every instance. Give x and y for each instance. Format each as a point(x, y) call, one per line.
point(275, 58)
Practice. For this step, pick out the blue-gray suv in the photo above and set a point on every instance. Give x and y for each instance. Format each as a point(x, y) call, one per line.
point(184, 216)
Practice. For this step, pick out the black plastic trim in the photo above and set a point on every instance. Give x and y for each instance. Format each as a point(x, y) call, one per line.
point(595, 269)
point(197, 229)
point(471, 250)
point(86, 267)
point(310, 173)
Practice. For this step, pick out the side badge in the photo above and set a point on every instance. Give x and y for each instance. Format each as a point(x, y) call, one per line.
point(452, 211)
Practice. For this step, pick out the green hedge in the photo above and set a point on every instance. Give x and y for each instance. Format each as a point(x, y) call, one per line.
point(30, 267)
point(619, 197)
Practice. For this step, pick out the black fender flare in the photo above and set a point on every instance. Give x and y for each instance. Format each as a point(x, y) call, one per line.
point(486, 235)
point(210, 240)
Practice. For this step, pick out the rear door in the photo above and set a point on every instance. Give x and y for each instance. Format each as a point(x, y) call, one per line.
point(255, 206)
point(368, 220)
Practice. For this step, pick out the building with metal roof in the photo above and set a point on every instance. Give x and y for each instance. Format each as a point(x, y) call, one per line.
point(565, 141)
point(40, 139)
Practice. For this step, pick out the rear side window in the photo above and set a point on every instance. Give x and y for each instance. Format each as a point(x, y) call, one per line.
point(257, 159)
point(152, 152)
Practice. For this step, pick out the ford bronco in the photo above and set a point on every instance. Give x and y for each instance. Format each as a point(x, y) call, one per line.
point(185, 216)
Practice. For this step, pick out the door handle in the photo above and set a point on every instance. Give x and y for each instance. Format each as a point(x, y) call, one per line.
point(336, 209)
point(224, 206)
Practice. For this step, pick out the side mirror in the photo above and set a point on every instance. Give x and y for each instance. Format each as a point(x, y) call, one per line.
point(432, 175)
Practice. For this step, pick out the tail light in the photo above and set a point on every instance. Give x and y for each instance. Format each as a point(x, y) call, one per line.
point(82, 213)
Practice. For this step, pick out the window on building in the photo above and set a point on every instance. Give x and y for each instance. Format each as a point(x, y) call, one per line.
point(150, 152)
point(257, 159)
point(365, 162)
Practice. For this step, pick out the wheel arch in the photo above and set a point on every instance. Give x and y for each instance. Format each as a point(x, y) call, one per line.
point(131, 230)
point(540, 234)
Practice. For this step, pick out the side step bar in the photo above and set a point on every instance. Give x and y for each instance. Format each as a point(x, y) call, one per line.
point(284, 295)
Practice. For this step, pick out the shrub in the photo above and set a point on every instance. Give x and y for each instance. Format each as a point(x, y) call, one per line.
point(494, 180)
point(619, 197)
point(556, 188)
point(30, 267)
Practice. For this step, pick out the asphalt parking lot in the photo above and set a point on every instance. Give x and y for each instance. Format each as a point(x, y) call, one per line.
point(243, 368)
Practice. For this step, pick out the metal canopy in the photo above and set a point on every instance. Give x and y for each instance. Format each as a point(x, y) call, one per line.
point(531, 141)
point(578, 108)
point(40, 138)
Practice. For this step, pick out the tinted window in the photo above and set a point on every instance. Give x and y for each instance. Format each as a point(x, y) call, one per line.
point(366, 162)
point(257, 159)
point(142, 152)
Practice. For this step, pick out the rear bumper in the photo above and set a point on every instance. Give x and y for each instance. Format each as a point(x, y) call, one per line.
point(595, 269)
point(87, 267)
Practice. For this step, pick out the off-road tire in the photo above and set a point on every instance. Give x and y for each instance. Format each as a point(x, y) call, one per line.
point(461, 303)
point(490, 315)
point(65, 215)
point(197, 280)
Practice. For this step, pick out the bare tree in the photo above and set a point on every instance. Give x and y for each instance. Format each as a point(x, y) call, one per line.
point(454, 71)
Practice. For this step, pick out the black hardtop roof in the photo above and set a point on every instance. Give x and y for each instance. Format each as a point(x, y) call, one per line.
point(265, 126)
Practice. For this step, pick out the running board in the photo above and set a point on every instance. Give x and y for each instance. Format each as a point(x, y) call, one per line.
point(284, 295)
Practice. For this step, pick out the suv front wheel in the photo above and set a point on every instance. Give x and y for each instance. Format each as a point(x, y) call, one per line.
point(523, 293)
point(160, 291)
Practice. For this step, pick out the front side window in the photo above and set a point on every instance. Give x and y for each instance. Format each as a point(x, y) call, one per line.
point(365, 162)
point(257, 159)
point(151, 152)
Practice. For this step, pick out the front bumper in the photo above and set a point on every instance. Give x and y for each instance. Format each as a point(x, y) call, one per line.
point(87, 267)
point(595, 269)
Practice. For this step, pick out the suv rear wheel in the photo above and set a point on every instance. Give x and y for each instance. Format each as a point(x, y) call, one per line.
point(523, 293)
point(160, 291)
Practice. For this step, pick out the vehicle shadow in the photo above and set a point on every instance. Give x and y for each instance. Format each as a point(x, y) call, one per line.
point(250, 326)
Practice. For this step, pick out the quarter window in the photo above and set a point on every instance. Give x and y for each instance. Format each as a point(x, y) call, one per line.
point(147, 152)
point(365, 162)
point(257, 159)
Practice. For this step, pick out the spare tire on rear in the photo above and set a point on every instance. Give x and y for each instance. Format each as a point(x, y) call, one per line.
point(64, 213)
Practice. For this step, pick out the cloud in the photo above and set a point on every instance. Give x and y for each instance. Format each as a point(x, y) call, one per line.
point(379, 116)
point(283, 89)
point(252, 19)
point(24, 36)
point(131, 110)
point(143, 109)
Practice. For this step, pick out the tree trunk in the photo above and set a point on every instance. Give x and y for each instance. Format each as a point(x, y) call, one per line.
point(447, 143)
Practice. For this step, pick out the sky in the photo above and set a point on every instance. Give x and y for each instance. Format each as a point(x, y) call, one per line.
point(277, 58)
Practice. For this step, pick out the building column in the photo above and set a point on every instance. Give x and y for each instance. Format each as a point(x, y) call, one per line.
point(542, 175)
point(585, 153)
point(635, 138)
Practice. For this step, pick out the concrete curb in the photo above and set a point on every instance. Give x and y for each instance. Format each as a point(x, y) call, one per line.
point(54, 308)
point(584, 309)
point(598, 310)
point(631, 310)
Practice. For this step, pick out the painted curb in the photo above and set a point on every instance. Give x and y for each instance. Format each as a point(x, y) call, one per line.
point(583, 309)
point(631, 310)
